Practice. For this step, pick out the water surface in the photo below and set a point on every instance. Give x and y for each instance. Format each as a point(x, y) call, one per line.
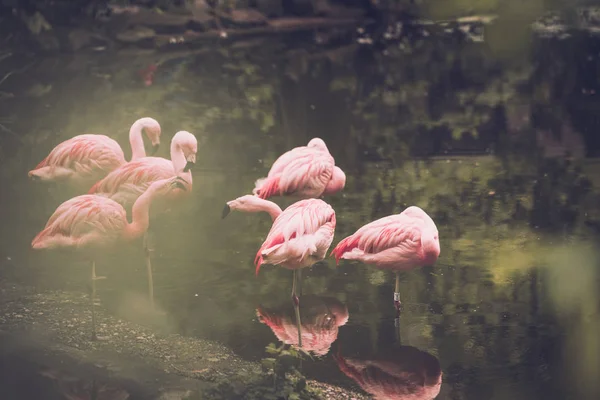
point(510, 310)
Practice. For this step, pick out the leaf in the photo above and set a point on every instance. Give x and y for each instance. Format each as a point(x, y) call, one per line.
point(268, 363)
point(457, 133)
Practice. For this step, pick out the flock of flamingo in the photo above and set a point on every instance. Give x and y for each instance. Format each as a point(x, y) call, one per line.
point(301, 235)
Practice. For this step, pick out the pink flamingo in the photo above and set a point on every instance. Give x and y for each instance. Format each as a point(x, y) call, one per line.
point(398, 242)
point(126, 183)
point(84, 159)
point(300, 236)
point(403, 373)
point(305, 172)
point(93, 224)
point(321, 320)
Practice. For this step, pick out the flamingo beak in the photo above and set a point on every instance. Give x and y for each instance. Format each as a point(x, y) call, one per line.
point(180, 183)
point(154, 148)
point(226, 211)
point(191, 161)
point(188, 166)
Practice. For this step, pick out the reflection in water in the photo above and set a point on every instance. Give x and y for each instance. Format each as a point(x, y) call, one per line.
point(321, 318)
point(401, 373)
point(73, 388)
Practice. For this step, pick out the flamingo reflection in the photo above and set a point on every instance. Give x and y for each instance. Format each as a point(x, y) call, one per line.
point(402, 373)
point(320, 318)
point(73, 388)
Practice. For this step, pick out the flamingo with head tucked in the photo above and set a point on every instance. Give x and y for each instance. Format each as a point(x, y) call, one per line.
point(93, 224)
point(304, 172)
point(398, 242)
point(126, 183)
point(300, 236)
point(84, 159)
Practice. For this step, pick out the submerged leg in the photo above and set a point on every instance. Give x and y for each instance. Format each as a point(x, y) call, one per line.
point(397, 303)
point(149, 270)
point(297, 307)
point(93, 300)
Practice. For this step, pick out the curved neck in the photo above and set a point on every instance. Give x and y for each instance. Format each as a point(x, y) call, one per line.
point(178, 159)
point(140, 216)
point(268, 206)
point(136, 140)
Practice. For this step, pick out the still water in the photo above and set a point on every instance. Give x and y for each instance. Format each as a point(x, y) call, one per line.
point(510, 310)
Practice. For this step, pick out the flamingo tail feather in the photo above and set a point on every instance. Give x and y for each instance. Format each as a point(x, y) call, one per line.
point(266, 187)
point(343, 247)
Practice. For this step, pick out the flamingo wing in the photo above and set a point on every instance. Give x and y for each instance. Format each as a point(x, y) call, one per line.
point(306, 227)
point(306, 172)
point(134, 177)
point(79, 220)
point(86, 153)
point(283, 160)
point(399, 230)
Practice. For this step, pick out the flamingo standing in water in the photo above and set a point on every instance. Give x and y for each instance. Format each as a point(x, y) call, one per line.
point(398, 242)
point(126, 183)
point(304, 172)
point(93, 224)
point(300, 236)
point(84, 159)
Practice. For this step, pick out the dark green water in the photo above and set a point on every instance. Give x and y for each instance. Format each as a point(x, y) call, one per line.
point(510, 309)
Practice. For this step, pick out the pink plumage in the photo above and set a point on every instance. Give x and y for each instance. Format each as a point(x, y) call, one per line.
point(86, 158)
point(305, 172)
point(82, 222)
point(129, 181)
point(300, 236)
point(397, 242)
point(91, 223)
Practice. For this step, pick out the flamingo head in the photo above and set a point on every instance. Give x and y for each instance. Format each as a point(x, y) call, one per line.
point(430, 244)
point(165, 186)
point(247, 203)
point(337, 181)
point(151, 128)
point(187, 143)
point(317, 143)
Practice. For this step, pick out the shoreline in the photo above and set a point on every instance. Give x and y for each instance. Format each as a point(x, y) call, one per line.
point(48, 334)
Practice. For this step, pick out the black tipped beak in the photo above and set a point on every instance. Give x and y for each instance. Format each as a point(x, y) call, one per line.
point(188, 166)
point(155, 149)
point(226, 211)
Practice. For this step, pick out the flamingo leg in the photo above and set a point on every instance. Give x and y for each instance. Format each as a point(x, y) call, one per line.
point(149, 270)
point(93, 301)
point(397, 302)
point(296, 306)
point(299, 281)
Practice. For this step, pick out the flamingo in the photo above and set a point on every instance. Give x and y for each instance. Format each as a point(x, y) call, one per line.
point(304, 172)
point(321, 319)
point(93, 224)
point(398, 242)
point(403, 373)
point(300, 236)
point(126, 183)
point(84, 159)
